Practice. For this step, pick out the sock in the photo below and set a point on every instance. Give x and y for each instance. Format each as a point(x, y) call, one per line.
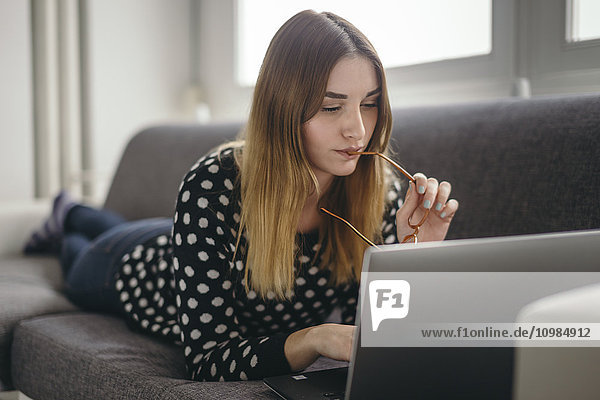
point(48, 237)
point(63, 203)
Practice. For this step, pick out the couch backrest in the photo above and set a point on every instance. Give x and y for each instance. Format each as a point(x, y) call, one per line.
point(516, 166)
point(153, 164)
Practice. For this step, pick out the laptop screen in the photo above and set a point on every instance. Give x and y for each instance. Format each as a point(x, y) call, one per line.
point(444, 318)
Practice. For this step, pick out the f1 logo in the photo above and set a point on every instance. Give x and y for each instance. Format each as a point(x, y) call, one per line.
point(389, 300)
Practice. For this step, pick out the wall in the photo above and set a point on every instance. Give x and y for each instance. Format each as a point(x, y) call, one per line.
point(216, 61)
point(16, 130)
point(139, 74)
point(136, 70)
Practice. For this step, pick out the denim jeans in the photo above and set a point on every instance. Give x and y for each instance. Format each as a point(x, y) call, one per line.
point(90, 281)
point(82, 225)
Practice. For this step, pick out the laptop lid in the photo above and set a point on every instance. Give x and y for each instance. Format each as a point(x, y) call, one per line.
point(464, 284)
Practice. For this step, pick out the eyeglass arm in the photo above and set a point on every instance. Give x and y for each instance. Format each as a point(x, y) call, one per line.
point(386, 158)
point(363, 237)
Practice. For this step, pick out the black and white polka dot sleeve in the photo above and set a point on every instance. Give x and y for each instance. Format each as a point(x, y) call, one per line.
point(389, 236)
point(207, 281)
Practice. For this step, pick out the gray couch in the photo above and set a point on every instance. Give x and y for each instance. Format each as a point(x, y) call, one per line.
point(517, 167)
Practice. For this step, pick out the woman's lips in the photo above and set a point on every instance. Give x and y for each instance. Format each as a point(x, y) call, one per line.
point(346, 155)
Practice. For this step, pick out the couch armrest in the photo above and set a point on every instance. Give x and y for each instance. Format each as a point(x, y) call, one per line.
point(17, 221)
point(560, 372)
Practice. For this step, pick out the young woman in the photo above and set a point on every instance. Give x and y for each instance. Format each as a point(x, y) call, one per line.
point(252, 267)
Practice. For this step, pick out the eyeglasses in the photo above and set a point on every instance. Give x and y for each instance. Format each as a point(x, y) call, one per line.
point(416, 227)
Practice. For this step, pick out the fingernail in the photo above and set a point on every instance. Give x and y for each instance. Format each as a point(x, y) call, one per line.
point(427, 204)
point(442, 215)
point(438, 206)
point(421, 189)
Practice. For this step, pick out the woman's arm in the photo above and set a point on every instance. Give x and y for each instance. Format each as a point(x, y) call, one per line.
point(303, 347)
point(299, 350)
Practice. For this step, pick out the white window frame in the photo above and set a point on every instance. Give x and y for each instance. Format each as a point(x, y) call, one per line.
point(489, 75)
point(463, 79)
point(523, 61)
point(555, 64)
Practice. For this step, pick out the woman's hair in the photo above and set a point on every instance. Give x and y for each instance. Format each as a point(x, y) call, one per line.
point(276, 177)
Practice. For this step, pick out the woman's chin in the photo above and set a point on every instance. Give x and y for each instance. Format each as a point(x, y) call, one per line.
point(345, 171)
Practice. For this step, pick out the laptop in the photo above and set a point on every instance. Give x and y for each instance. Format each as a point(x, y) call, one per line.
point(466, 281)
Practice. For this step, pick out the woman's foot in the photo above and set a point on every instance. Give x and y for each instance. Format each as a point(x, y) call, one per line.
point(48, 238)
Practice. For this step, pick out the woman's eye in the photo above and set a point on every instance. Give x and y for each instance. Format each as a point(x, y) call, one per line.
point(370, 105)
point(330, 109)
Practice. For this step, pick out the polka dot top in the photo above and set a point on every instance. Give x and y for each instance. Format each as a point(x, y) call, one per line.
point(188, 289)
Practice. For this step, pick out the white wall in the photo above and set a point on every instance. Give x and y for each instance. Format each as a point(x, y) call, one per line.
point(140, 72)
point(216, 61)
point(16, 131)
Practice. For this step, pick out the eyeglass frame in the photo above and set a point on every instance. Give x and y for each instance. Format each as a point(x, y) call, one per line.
point(416, 227)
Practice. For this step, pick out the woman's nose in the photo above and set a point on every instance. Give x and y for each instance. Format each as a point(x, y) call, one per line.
point(353, 125)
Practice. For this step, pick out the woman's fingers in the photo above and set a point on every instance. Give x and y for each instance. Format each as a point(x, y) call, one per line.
point(420, 182)
point(410, 204)
point(442, 196)
point(448, 211)
point(430, 193)
point(423, 192)
point(426, 194)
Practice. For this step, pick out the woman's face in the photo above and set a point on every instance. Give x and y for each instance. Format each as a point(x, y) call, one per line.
point(345, 121)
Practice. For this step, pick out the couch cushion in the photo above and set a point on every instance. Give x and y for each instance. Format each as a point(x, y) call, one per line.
point(29, 286)
point(96, 356)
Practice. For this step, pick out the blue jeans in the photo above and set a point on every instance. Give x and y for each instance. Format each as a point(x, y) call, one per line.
point(82, 225)
point(90, 280)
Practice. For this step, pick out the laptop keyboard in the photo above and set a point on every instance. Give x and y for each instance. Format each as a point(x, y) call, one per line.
point(334, 395)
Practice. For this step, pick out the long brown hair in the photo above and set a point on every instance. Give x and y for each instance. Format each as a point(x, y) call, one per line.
point(276, 178)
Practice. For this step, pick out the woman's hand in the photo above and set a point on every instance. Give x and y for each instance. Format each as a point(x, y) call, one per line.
point(303, 347)
point(429, 194)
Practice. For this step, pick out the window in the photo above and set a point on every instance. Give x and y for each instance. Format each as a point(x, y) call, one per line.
point(404, 32)
point(582, 20)
point(562, 48)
